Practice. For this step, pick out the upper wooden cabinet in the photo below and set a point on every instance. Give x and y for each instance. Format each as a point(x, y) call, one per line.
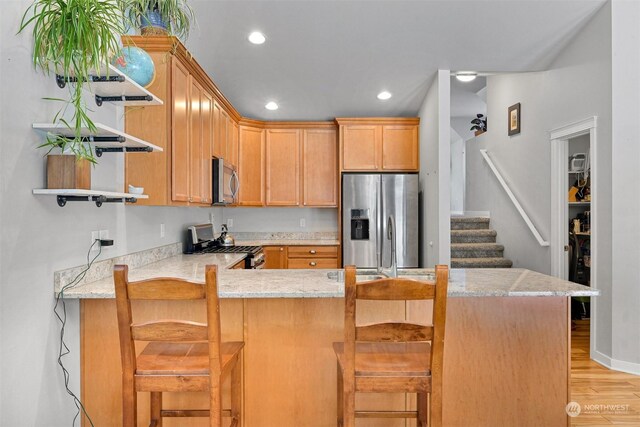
point(319, 168)
point(282, 165)
point(379, 144)
point(251, 154)
point(184, 126)
point(361, 146)
point(295, 167)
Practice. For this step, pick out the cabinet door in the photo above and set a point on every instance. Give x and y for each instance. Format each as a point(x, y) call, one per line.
point(206, 109)
point(219, 132)
point(180, 86)
point(195, 143)
point(319, 168)
point(400, 147)
point(251, 166)
point(232, 143)
point(283, 167)
point(361, 147)
point(275, 257)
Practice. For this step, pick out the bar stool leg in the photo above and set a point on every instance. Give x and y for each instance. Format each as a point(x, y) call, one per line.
point(156, 408)
point(215, 402)
point(340, 394)
point(422, 404)
point(236, 393)
point(129, 403)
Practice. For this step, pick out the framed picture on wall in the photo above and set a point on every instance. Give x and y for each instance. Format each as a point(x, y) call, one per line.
point(514, 119)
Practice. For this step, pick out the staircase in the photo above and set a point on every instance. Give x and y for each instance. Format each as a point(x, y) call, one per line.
point(473, 244)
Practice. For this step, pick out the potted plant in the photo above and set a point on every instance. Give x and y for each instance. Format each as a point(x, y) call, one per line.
point(73, 37)
point(479, 124)
point(161, 16)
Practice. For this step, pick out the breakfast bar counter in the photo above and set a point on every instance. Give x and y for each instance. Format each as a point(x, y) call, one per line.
point(506, 361)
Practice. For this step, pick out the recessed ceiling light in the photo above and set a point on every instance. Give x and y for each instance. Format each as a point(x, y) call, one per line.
point(271, 106)
point(384, 95)
point(257, 37)
point(466, 76)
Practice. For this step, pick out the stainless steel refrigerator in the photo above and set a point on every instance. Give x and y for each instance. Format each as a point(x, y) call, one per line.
point(368, 200)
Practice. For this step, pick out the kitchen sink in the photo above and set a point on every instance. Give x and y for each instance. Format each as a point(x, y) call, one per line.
point(366, 275)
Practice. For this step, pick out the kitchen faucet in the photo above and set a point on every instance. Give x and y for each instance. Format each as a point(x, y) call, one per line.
point(392, 271)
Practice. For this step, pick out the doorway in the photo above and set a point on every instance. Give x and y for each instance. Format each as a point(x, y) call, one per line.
point(573, 227)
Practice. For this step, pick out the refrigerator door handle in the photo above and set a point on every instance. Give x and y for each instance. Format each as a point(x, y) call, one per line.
point(379, 225)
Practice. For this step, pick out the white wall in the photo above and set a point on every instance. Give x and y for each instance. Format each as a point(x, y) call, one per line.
point(576, 86)
point(457, 172)
point(282, 219)
point(625, 309)
point(38, 238)
point(435, 172)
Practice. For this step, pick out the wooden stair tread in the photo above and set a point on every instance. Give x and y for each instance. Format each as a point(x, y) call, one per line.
point(389, 359)
point(168, 358)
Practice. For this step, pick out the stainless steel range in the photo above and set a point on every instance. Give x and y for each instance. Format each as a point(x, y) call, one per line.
point(201, 239)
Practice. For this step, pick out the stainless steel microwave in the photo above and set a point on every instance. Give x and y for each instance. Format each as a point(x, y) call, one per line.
point(225, 183)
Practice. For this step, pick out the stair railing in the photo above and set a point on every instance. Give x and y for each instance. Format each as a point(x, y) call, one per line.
point(515, 202)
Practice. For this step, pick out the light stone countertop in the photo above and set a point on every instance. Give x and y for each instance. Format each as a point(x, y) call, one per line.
point(509, 282)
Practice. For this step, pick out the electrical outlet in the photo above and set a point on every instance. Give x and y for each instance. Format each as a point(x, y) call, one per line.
point(303, 223)
point(161, 230)
point(211, 218)
point(229, 222)
point(95, 235)
point(104, 234)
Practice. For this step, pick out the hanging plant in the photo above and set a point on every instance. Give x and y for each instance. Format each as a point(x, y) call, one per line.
point(171, 17)
point(479, 123)
point(71, 38)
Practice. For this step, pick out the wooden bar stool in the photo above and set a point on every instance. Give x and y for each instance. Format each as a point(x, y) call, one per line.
point(180, 355)
point(392, 357)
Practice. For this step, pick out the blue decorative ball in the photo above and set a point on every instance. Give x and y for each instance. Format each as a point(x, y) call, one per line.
point(136, 64)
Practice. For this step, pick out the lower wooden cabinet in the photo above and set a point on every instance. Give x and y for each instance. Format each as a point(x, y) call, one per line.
point(300, 257)
point(275, 257)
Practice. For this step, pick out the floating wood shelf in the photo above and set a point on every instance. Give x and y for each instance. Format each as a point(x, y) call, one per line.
point(105, 139)
point(96, 196)
point(579, 203)
point(109, 84)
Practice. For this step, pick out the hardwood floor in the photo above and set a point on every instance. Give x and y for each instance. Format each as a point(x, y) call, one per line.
point(606, 397)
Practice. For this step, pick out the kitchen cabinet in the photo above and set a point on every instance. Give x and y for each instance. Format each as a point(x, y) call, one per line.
point(180, 88)
point(183, 127)
point(251, 154)
point(312, 257)
point(300, 257)
point(361, 147)
point(275, 257)
point(400, 147)
point(379, 144)
point(232, 144)
point(282, 165)
point(319, 168)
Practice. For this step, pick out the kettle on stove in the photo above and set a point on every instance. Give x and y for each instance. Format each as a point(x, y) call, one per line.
point(226, 240)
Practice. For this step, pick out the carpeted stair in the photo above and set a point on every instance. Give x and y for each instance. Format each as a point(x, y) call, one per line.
point(473, 244)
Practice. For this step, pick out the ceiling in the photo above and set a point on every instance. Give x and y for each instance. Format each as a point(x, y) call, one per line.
point(326, 59)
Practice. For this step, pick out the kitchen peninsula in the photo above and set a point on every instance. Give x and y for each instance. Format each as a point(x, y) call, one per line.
point(507, 347)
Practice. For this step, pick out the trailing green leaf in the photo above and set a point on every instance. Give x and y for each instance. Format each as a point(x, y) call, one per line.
point(72, 38)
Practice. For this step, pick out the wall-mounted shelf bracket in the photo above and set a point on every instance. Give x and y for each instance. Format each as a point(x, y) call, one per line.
point(124, 98)
point(99, 200)
point(100, 150)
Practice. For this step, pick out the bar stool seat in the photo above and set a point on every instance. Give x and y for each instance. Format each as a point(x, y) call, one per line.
point(388, 359)
point(161, 358)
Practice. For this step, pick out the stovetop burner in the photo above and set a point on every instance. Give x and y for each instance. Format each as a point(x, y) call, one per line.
point(231, 249)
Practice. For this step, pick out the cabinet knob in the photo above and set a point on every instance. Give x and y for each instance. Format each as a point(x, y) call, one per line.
point(312, 263)
point(312, 251)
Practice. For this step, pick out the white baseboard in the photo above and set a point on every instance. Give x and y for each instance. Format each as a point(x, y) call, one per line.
point(614, 364)
point(457, 213)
